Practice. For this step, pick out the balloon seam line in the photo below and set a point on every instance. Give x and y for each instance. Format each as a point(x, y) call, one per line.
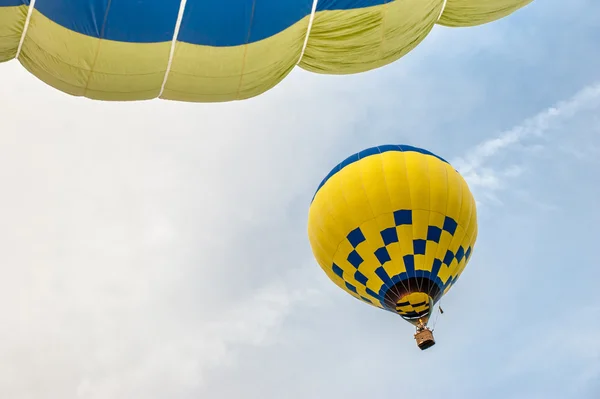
point(173, 44)
point(442, 10)
point(25, 28)
point(245, 57)
point(310, 24)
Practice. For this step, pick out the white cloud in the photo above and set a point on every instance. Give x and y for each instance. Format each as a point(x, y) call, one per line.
point(485, 179)
point(144, 242)
point(175, 360)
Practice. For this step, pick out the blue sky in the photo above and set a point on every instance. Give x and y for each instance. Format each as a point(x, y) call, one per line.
point(159, 249)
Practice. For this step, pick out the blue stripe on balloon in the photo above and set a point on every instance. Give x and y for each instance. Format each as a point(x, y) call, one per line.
point(13, 3)
point(143, 21)
point(206, 22)
point(330, 5)
point(234, 22)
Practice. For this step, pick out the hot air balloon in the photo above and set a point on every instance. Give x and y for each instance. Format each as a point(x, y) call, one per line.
point(216, 50)
point(394, 226)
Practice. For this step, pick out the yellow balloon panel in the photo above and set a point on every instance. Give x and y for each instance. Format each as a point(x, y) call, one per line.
point(12, 20)
point(394, 226)
point(464, 13)
point(352, 41)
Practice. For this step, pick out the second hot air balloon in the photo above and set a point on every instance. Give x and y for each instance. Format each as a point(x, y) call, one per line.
point(216, 50)
point(394, 226)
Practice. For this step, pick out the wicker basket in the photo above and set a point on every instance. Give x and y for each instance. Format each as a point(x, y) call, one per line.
point(424, 339)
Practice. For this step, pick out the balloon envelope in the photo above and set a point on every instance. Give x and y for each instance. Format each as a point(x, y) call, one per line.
point(216, 50)
point(394, 226)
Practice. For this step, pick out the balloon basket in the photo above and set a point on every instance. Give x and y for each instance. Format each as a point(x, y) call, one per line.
point(424, 338)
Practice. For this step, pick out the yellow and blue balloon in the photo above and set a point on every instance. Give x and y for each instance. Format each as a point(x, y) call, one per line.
point(217, 50)
point(394, 226)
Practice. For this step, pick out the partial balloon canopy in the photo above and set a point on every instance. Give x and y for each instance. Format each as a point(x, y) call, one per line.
point(216, 50)
point(394, 226)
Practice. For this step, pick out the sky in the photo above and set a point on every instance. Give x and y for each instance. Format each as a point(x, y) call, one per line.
point(159, 249)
